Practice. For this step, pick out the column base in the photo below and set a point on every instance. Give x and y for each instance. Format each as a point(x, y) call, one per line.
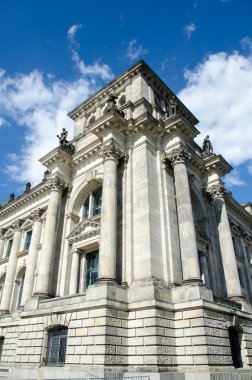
point(107, 279)
point(196, 281)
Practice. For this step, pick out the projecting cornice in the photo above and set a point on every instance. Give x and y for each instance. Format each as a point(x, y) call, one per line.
point(55, 157)
point(217, 164)
point(180, 124)
point(24, 199)
point(140, 68)
point(110, 120)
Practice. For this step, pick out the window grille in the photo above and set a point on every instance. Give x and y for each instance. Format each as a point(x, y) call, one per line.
point(27, 240)
point(92, 205)
point(92, 268)
point(9, 246)
point(56, 347)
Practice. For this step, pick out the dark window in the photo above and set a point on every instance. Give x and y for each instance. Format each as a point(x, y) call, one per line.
point(234, 338)
point(9, 246)
point(20, 290)
point(92, 205)
point(1, 346)
point(241, 277)
point(92, 268)
point(56, 347)
point(27, 240)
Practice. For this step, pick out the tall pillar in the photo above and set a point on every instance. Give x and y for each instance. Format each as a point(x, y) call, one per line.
point(32, 257)
point(1, 243)
point(107, 252)
point(11, 268)
point(48, 245)
point(187, 236)
point(73, 289)
point(217, 192)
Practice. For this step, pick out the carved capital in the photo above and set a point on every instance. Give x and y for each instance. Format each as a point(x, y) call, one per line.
point(111, 151)
point(35, 215)
point(16, 225)
point(57, 183)
point(178, 156)
point(217, 191)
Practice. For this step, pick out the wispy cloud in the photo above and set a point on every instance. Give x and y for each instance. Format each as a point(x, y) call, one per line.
point(38, 103)
point(234, 179)
point(246, 43)
point(135, 51)
point(189, 29)
point(218, 91)
point(96, 69)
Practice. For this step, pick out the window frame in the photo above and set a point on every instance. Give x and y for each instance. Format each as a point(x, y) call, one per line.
point(62, 345)
point(89, 208)
point(28, 237)
point(8, 248)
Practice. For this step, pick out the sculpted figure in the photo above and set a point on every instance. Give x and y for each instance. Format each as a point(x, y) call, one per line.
point(28, 187)
point(63, 137)
point(207, 146)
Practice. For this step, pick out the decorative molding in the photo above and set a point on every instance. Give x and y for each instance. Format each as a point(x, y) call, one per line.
point(178, 156)
point(217, 191)
point(111, 151)
point(86, 229)
point(16, 225)
point(36, 215)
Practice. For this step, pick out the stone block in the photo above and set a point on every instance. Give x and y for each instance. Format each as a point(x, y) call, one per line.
point(82, 314)
point(81, 331)
point(138, 341)
point(135, 323)
point(182, 323)
point(110, 339)
point(141, 314)
point(135, 360)
point(79, 350)
point(75, 324)
point(73, 359)
point(74, 341)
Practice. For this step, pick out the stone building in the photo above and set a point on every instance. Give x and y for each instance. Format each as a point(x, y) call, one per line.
point(130, 257)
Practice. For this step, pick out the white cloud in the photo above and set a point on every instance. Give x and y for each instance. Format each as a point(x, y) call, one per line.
point(135, 51)
point(38, 103)
point(246, 43)
point(233, 179)
point(218, 91)
point(96, 69)
point(189, 29)
point(250, 168)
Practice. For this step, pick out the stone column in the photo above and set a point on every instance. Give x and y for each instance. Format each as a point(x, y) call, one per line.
point(217, 193)
point(107, 253)
point(11, 268)
point(187, 236)
point(32, 257)
point(1, 243)
point(48, 245)
point(73, 289)
point(204, 269)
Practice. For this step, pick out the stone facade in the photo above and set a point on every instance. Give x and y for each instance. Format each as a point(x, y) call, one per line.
point(130, 257)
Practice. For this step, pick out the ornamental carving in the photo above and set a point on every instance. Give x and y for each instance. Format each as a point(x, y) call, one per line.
point(178, 156)
point(217, 191)
point(111, 151)
point(16, 225)
point(36, 215)
point(57, 183)
point(1, 233)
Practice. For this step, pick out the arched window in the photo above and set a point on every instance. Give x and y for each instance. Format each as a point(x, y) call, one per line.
point(2, 280)
point(92, 205)
point(20, 290)
point(235, 345)
point(1, 347)
point(56, 345)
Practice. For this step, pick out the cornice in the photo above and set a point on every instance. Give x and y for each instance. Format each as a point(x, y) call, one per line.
point(109, 120)
point(179, 123)
point(239, 209)
point(24, 199)
point(140, 68)
point(57, 156)
point(90, 151)
point(92, 229)
point(217, 164)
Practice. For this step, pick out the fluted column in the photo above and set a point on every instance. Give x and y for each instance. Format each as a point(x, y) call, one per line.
point(73, 289)
point(217, 193)
point(1, 243)
point(107, 252)
point(187, 236)
point(11, 268)
point(32, 257)
point(48, 245)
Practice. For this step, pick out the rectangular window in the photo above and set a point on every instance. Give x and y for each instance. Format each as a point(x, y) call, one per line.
point(9, 246)
point(56, 347)
point(27, 240)
point(92, 260)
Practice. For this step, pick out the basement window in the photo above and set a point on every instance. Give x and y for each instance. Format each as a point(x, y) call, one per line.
point(56, 346)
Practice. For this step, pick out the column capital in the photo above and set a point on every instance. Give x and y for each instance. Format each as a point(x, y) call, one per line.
point(16, 225)
point(57, 183)
point(76, 250)
point(217, 191)
point(110, 150)
point(36, 215)
point(177, 156)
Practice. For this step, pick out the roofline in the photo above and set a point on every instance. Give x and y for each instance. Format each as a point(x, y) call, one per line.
point(140, 64)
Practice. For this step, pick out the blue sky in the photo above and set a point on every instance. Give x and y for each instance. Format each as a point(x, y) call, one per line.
point(56, 53)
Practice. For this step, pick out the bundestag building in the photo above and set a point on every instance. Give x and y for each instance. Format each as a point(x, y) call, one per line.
point(131, 259)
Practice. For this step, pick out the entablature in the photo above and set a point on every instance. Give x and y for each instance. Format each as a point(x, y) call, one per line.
point(217, 164)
